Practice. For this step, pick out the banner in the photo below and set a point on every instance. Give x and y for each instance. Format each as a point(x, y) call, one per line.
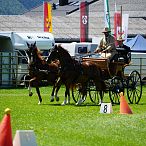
point(84, 18)
point(125, 18)
point(118, 31)
point(117, 26)
point(47, 17)
point(107, 15)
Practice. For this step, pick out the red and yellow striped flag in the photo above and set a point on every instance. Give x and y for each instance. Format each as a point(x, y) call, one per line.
point(47, 17)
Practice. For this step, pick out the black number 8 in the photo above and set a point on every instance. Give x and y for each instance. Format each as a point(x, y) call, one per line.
point(105, 109)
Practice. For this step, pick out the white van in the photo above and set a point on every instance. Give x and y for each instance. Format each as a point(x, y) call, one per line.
point(78, 49)
point(14, 59)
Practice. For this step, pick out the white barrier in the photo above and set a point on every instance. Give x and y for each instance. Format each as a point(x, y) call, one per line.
point(24, 138)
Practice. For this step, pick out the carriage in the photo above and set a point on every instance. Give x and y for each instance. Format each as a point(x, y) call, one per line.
point(91, 76)
point(115, 79)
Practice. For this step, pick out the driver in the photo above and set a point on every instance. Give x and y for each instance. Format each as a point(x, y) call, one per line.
point(107, 46)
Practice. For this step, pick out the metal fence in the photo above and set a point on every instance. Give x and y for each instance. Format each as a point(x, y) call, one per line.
point(138, 64)
point(13, 69)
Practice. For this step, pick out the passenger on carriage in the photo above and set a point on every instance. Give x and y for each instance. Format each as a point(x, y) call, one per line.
point(107, 48)
point(124, 54)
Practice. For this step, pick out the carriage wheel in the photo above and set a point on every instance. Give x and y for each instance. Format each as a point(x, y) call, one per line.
point(134, 87)
point(94, 94)
point(76, 93)
point(115, 88)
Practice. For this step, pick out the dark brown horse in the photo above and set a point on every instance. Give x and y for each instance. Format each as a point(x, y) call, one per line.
point(73, 72)
point(42, 73)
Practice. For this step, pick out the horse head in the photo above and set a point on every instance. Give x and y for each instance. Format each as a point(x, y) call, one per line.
point(30, 50)
point(53, 55)
point(33, 52)
point(60, 53)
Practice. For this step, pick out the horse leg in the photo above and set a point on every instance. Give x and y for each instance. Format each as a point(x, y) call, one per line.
point(39, 95)
point(84, 93)
point(101, 87)
point(52, 95)
point(30, 86)
point(33, 83)
point(30, 90)
point(58, 85)
point(65, 98)
point(66, 93)
point(101, 97)
point(55, 90)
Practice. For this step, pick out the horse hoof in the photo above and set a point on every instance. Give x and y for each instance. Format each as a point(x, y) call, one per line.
point(52, 99)
point(100, 102)
point(30, 94)
point(63, 104)
point(57, 99)
point(40, 102)
point(79, 102)
point(68, 102)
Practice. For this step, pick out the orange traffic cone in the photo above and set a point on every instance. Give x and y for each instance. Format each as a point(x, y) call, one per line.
point(5, 130)
point(124, 107)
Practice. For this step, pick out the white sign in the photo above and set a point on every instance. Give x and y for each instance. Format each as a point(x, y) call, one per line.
point(24, 138)
point(84, 19)
point(106, 108)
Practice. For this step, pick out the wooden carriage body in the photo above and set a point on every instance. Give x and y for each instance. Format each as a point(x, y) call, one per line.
point(109, 69)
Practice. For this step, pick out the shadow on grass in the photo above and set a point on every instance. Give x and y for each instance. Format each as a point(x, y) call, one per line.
point(82, 105)
point(86, 104)
point(71, 104)
point(140, 104)
point(57, 104)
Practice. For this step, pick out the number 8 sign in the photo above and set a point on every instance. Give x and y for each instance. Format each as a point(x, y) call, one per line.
point(106, 108)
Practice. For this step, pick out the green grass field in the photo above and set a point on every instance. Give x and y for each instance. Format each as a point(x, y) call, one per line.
point(70, 125)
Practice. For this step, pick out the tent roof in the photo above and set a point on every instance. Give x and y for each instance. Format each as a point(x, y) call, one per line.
point(137, 44)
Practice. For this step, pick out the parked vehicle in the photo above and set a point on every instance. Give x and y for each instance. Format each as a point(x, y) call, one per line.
point(78, 49)
point(14, 59)
point(138, 62)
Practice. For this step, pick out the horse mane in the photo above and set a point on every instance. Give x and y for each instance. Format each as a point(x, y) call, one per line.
point(63, 50)
point(38, 53)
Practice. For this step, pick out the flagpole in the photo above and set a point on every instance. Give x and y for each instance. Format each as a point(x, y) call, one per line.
point(115, 7)
point(121, 23)
point(43, 16)
point(107, 14)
